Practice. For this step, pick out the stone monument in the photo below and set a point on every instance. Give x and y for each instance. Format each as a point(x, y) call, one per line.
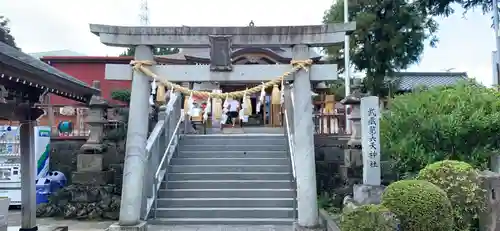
point(370, 192)
point(364, 146)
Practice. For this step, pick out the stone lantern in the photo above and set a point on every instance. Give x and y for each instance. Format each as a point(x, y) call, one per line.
point(90, 166)
point(353, 153)
point(321, 88)
point(354, 101)
point(96, 120)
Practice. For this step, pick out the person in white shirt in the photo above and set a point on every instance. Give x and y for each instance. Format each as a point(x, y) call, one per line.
point(234, 108)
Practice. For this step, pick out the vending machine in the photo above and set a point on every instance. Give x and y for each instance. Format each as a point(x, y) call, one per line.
point(10, 165)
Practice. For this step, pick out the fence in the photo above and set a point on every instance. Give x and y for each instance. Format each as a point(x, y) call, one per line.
point(324, 124)
point(328, 124)
point(76, 115)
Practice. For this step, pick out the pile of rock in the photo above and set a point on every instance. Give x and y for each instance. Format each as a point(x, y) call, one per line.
point(96, 186)
point(84, 202)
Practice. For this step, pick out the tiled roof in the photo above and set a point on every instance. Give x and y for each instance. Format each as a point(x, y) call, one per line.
point(412, 80)
point(205, 53)
point(43, 73)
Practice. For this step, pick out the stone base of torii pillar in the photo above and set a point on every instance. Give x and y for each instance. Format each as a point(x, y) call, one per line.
point(141, 226)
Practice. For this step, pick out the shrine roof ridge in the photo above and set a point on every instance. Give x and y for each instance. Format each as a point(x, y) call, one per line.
point(207, 30)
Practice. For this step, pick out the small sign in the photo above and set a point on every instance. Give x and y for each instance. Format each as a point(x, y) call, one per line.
point(220, 53)
point(370, 140)
point(44, 133)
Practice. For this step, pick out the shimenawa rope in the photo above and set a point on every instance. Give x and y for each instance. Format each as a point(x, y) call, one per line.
point(161, 83)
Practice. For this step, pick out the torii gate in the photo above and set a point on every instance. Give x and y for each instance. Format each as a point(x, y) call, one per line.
point(220, 40)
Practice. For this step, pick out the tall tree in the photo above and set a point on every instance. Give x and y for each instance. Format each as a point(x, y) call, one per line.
point(390, 35)
point(156, 51)
point(444, 7)
point(5, 35)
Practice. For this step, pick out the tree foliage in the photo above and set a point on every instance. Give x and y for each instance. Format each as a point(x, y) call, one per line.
point(5, 35)
point(460, 122)
point(122, 95)
point(390, 35)
point(156, 51)
point(444, 7)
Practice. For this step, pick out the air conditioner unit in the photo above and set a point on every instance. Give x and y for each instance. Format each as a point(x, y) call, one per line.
point(67, 111)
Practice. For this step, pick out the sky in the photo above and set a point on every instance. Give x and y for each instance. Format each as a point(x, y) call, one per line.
point(466, 41)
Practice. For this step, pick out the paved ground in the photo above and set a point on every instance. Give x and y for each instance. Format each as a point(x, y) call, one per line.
point(220, 228)
point(46, 223)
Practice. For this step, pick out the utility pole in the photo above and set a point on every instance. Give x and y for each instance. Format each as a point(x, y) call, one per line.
point(495, 160)
point(347, 69)
point(496, 22)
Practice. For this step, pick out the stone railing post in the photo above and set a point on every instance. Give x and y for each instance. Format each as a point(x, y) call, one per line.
point(188, 127)
point(96, 119)
point(489, 219)
point(289, 106)
point(174, 116)
point(163, 115)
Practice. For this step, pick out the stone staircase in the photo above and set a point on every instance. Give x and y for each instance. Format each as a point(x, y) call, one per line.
point(228, 180)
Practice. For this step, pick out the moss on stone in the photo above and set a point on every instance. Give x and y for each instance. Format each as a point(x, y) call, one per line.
point(419, 205)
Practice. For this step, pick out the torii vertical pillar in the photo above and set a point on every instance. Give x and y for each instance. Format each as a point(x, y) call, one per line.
point(304, 145)
point(135, 158)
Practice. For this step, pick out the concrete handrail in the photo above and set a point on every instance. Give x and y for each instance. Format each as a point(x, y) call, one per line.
point(291, 147)
point(167, 155)
point(158, 152)
point(327, 221)
point(289, 133)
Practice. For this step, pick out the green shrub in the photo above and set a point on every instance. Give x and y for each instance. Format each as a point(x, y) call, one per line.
point(462, 184)
point(368, 218)
point(431, 125)
point(419, 205)
point(121, 95)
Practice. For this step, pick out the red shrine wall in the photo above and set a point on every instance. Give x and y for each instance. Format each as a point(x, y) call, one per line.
point(88, 72)
point(86, 69)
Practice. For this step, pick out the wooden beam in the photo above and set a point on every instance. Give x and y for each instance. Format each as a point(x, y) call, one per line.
point(240, 73)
